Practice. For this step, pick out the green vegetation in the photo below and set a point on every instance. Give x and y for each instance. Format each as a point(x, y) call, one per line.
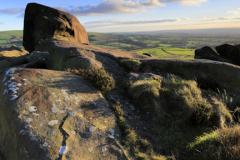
point(180, 112)
point(220, 144)
point(97, 77)
point(164, 46)
point(141, 148)
point(169, 52)
point(131, 64)
point(8, 38)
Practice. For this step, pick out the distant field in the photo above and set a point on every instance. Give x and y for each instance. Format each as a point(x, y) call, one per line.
point(166, 45)
point(169, 53)
point(11, 38)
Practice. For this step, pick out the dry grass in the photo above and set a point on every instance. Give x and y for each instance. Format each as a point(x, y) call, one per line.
point(100, 79)
point(146, 92)
point(222, 144)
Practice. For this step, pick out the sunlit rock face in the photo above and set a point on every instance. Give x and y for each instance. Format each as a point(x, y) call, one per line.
point(41, 22)
point(47, 114)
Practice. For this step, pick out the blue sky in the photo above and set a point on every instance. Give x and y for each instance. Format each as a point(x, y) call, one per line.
point(134, 15)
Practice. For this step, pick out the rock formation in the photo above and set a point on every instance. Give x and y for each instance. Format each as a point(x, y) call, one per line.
point(226, 53)
point(230, 51)
point(41, 22)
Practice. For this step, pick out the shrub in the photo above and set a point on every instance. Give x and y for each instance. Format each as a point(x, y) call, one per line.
point(131, 64)
point(146, 92)
point(97, 77)
point(196, 108)
point(221, 114)
point(184, 101)
point(220, 144)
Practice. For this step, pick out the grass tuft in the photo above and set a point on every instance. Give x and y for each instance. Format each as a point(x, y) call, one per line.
point(131, 64)
point(220, 144)
point(97, 77)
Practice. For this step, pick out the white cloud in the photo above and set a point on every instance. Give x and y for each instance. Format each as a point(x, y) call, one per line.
point(11, 11)
point(220, 19)
point(186, 19)
point(123, 7)
point(184, 2)
point(1, 23)
point(114, 22)
point(112, 7)
point(235, 12)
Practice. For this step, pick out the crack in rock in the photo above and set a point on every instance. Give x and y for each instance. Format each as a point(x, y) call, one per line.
point(63, 149)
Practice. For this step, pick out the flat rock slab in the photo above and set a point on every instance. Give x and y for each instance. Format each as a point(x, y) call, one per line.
point(48, 114)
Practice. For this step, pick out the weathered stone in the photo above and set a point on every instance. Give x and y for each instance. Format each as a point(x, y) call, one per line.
point(45, 113)
point(42, 22)
point(15, 55)
point(64, 55)
point(205, 53)
point(230, 51)
point(209, 53)
point(36, 56)
point(82, 63)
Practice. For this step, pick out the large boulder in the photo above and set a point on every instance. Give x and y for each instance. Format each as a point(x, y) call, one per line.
point(230, 51)
point(209, 53)
point(41, 22)
point(205, 53)
point(47, 114)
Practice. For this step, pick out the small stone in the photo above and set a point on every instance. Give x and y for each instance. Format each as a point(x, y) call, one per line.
point(90, 149)
point(45, 144)
point(53, 122)
point(28, 120)
point(33, 109)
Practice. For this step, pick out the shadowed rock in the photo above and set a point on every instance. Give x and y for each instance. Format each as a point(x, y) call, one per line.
point(230, 51)
point(41, 22)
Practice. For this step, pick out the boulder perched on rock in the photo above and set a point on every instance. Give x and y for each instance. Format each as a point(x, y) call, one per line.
point(41, 22)
point(209, 53)
point(230, 51)
point(12, 56)
point(47, 114)
point(206, 53)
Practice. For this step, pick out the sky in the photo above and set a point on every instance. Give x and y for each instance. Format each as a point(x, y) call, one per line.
point(133, 15)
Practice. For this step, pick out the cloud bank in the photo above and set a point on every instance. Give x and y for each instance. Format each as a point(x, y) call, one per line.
point(113, 22)
point(11, 11)
point(112, 7)
point(123, 7)
point(220, 19)
point(184, 2)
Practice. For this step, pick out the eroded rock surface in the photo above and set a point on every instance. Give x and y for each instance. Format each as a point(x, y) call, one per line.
point(41, 22)
point(50, 114)
point(12, 56)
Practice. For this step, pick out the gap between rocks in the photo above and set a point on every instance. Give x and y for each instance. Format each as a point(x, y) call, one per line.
point(65, 137)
